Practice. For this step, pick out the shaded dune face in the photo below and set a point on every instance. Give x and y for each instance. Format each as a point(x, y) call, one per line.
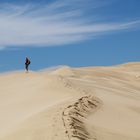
point(101, 103)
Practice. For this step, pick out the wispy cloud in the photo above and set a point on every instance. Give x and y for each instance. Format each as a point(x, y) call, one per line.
point(57, 23)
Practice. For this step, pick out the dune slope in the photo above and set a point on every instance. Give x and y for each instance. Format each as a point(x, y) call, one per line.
point(101, 103)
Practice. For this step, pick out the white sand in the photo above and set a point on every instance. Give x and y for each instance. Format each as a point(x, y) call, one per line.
point(32, 105)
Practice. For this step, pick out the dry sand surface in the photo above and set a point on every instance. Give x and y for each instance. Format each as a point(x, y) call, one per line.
point(89, 103)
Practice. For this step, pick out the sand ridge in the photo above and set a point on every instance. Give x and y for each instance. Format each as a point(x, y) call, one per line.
point(89, 103)
point(74, 116)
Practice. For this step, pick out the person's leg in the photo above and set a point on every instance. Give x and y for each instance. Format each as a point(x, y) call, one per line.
point(26, 67)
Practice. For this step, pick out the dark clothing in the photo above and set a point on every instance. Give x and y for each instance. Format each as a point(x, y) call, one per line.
point(27, 63)
point(26, 66)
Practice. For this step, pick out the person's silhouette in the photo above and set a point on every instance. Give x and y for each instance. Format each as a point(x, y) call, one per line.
point(27, 63)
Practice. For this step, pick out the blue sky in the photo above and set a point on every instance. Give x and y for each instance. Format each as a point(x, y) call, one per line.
point(63, 32)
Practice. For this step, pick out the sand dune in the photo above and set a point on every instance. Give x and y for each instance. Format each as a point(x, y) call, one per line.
point(89, 103)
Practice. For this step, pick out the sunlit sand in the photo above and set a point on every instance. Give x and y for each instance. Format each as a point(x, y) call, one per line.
point(88, 103)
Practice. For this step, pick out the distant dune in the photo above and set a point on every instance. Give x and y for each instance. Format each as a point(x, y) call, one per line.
point(88, 103)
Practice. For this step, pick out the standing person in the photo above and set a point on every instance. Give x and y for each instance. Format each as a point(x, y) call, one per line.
point(27, 63)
